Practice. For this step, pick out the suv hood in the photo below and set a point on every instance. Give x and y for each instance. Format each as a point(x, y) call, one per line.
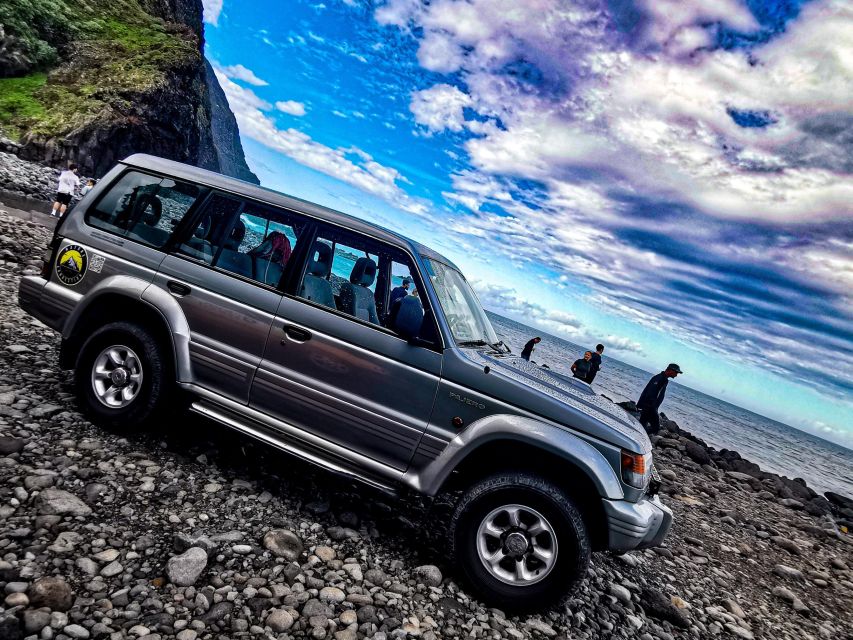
point(573, 394)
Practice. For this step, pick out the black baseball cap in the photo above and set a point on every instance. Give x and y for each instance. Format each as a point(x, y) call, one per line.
point(674, 367)
point(407, 280)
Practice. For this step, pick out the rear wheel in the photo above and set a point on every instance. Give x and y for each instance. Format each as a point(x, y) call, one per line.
point(519, 540)
point(122, 377)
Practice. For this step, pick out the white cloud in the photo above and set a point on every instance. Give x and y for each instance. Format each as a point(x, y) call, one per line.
point(239, 72)
point(350, 165)
point(439, 52)
point(440, 107)
point(212, 9)
point(291, 107)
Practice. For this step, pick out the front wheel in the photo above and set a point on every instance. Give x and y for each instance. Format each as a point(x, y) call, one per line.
point(519, 540)
point(122, 377)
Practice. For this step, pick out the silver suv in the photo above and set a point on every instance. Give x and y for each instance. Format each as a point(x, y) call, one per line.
point(351, 347)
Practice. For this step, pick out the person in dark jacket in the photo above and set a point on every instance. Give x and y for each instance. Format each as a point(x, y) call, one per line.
point(398, 293)
point(529, 347)
point(652, 397)
point(595, 363)
point(580, 367)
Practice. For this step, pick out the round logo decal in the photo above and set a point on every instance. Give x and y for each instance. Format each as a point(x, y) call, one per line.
point(71, 264)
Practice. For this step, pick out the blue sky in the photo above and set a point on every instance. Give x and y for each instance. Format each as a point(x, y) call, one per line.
point(673, 178)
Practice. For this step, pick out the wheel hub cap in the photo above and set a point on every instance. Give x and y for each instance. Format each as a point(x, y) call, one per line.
point(517, 545)
point(117, 376)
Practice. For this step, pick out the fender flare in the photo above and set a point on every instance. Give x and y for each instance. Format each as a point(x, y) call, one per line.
point(153, 297)
point(551, 438)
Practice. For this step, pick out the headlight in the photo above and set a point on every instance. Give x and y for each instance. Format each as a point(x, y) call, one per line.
point(636, 468)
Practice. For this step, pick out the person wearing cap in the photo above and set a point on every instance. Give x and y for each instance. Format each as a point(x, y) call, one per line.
point(652, 398)
point(398, 293)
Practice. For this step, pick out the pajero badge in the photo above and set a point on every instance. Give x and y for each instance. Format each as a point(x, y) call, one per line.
point(71, 264)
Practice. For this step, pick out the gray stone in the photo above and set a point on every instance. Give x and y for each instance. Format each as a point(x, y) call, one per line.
point(283, 543)
point(332, 594)
point(55, 502)
point(429, 575)
point(787, 544)
point(279, 620)
point(183, 570)
point(76, 631)
point(788, 572)
point(51, 592)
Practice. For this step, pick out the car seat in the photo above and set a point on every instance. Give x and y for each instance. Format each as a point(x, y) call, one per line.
point(316, 286)
point(231, 259)
point(356, 299)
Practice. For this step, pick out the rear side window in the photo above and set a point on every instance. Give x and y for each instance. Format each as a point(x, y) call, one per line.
point(245, 238)
point(143, 208)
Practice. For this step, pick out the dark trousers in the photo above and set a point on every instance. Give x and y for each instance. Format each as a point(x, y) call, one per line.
point(650, 420)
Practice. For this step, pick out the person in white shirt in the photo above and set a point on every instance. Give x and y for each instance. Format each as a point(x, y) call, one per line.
point(68, 182)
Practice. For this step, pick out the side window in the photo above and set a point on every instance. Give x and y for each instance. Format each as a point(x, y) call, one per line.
point(143, 208)
point(368, 280)
point(342, 274)
point(245, 238)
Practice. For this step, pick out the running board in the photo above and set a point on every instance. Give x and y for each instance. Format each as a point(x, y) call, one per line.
point(227, 419)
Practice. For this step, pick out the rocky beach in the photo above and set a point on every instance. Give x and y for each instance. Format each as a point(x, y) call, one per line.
point(191, 531)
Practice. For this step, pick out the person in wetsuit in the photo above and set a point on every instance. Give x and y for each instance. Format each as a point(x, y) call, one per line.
point(529, 347)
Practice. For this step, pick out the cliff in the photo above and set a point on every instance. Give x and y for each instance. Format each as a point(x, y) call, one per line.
point(94, 82)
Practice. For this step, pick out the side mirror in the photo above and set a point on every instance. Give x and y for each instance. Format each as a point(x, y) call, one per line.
point(407, 317)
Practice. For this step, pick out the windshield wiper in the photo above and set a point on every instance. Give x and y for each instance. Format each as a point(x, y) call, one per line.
point(473, 343)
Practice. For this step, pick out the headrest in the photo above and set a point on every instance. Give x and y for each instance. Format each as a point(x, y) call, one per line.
point(364, 272)
point(320, 263)
point(201, 229)
point(237, 234)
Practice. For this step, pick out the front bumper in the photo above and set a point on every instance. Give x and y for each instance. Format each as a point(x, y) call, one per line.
point(640, 525)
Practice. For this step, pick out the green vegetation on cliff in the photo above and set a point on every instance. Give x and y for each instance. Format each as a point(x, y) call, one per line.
point(85, 59)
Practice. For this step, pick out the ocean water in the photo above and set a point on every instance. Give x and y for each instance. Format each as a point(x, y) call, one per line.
point(774, 446)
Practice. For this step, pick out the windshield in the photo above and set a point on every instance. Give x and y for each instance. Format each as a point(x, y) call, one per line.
point(467, 320)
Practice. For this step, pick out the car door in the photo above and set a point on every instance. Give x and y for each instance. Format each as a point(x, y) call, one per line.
point(224, 277)
point(331, 368)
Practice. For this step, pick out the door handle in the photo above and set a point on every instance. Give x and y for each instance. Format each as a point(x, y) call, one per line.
point(296, 334)
point(178, 288)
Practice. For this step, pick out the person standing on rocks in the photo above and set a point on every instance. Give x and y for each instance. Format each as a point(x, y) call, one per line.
point(527, 352)
point(581, 366)
point(595, 363)
point(652, 398)
point(68, 182)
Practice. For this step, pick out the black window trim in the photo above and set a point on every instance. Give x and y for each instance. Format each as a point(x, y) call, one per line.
point(243, 200)
point(299, 274)
point(203, 194)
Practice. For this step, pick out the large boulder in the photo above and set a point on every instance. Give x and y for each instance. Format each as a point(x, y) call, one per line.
point(696, 452)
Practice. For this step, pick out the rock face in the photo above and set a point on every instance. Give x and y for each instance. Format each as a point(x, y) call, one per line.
point(224, 139)
point(130, 79)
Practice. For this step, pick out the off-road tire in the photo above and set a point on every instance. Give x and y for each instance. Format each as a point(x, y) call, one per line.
point(156, 390)
point(529, 490)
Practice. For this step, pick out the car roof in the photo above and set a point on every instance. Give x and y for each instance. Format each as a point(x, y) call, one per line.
point(250, 190)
